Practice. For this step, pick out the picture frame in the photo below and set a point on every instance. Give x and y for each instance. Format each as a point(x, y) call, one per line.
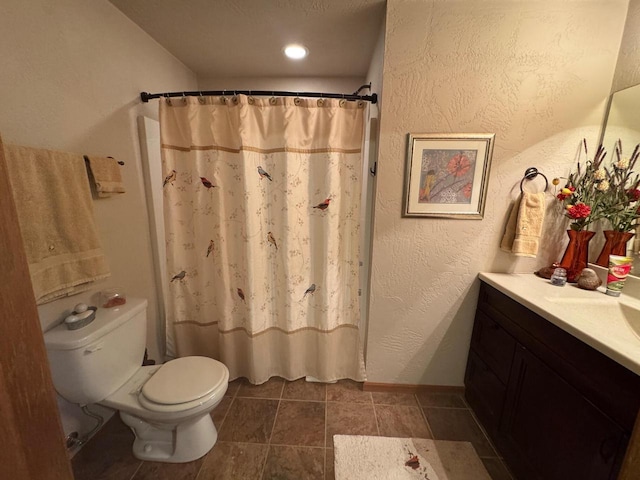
point(447, 175)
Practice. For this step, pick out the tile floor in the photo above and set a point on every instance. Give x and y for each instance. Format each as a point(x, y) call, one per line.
point(284, 430)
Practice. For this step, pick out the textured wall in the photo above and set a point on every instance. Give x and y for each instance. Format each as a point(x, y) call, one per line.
point(628, 67)
point(536, 74)
point(375, 72)
point(70, 79)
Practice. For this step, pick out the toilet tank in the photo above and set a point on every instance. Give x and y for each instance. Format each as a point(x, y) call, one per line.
point(91, 363)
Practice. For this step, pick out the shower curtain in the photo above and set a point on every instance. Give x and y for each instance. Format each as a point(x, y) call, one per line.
point(261, 205)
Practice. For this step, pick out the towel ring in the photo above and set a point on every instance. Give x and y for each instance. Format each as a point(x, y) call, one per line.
point(531, 173)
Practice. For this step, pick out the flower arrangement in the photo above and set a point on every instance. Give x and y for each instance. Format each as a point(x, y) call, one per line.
point(619, 201)
point(581, 195)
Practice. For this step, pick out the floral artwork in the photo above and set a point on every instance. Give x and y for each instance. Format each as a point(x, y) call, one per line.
point(447, 176)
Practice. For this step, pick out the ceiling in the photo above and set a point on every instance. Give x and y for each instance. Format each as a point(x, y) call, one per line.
point(245, 38)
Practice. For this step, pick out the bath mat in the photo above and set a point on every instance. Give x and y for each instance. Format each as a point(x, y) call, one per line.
point(384, 458)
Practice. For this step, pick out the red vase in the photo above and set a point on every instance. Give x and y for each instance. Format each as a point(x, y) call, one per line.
point(615, 244)
point(576, 255)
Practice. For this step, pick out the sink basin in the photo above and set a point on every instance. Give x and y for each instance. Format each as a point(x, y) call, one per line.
point(631, 316)
point(602, 308)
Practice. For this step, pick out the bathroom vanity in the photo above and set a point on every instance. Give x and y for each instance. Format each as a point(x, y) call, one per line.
point(553, 376)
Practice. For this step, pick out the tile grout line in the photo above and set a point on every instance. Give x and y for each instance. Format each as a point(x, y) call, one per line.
point(326, 415)
point(273, 427)
point(226, 414)
point(224, 417)
point(443, 408)
point(136, 472)
point(375, 416)
point(424, 416)
point(484, 433)
point(297, 445)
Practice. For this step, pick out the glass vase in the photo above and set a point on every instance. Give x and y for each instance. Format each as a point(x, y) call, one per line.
point(576, 255)
point(615, 244)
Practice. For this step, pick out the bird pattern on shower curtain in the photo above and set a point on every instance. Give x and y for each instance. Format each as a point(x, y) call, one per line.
point(322, 206)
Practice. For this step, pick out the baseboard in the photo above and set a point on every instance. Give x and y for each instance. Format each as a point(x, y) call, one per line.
point(409, 388)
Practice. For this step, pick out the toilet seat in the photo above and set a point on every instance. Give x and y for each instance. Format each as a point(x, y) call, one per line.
point(184, 383)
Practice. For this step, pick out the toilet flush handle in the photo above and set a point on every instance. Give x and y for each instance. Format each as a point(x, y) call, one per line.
point(93, 348)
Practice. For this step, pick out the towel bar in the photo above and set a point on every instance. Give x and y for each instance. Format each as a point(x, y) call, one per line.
point(531, 173)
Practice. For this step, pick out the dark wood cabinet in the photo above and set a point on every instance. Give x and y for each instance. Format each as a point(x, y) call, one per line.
point(555, 408)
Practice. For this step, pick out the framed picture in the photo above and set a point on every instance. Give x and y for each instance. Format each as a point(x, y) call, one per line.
point(447, 174)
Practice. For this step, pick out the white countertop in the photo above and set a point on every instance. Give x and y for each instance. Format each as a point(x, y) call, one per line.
point(610, 325)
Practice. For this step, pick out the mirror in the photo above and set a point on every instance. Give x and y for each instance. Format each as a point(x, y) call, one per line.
point(623, 122)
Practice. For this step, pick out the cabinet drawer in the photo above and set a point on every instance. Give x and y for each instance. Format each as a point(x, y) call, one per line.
point(494, 345)
point(484, 392)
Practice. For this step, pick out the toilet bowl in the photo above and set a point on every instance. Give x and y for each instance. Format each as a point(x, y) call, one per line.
point(167, 406)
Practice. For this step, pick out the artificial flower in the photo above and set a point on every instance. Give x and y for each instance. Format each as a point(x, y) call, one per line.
point(566, 193)
point(579, 195)
point(618, 203)
point(602, 186)
point(578, 211)
point(633, 194)
point(621, 164)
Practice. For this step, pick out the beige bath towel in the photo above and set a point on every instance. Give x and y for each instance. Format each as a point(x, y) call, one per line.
point(55, 212)
point(106, 175)
point(522, 234)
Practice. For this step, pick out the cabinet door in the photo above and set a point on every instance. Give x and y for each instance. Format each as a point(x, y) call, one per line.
point(484, 392)
point(552, 432)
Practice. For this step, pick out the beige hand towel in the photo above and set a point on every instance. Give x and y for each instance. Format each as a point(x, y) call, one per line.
point(106, 175)
point(55, 212)
point(524, 233)
point(510, 230)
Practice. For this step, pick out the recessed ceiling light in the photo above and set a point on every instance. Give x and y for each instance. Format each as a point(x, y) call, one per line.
point(295, 52)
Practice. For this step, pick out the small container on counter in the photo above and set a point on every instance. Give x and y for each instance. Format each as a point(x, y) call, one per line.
point(81, 316)
point(112, 297)
point(619, 268)
point(559, 277)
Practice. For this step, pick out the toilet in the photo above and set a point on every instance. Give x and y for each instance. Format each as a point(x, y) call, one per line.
point(167, 406)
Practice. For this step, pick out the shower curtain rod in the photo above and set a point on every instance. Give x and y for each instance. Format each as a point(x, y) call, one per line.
point(373, 98)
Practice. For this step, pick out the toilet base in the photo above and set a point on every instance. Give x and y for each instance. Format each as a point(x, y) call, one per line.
point(171, 443)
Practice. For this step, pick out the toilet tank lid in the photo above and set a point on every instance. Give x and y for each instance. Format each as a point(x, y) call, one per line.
point(107, 319)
